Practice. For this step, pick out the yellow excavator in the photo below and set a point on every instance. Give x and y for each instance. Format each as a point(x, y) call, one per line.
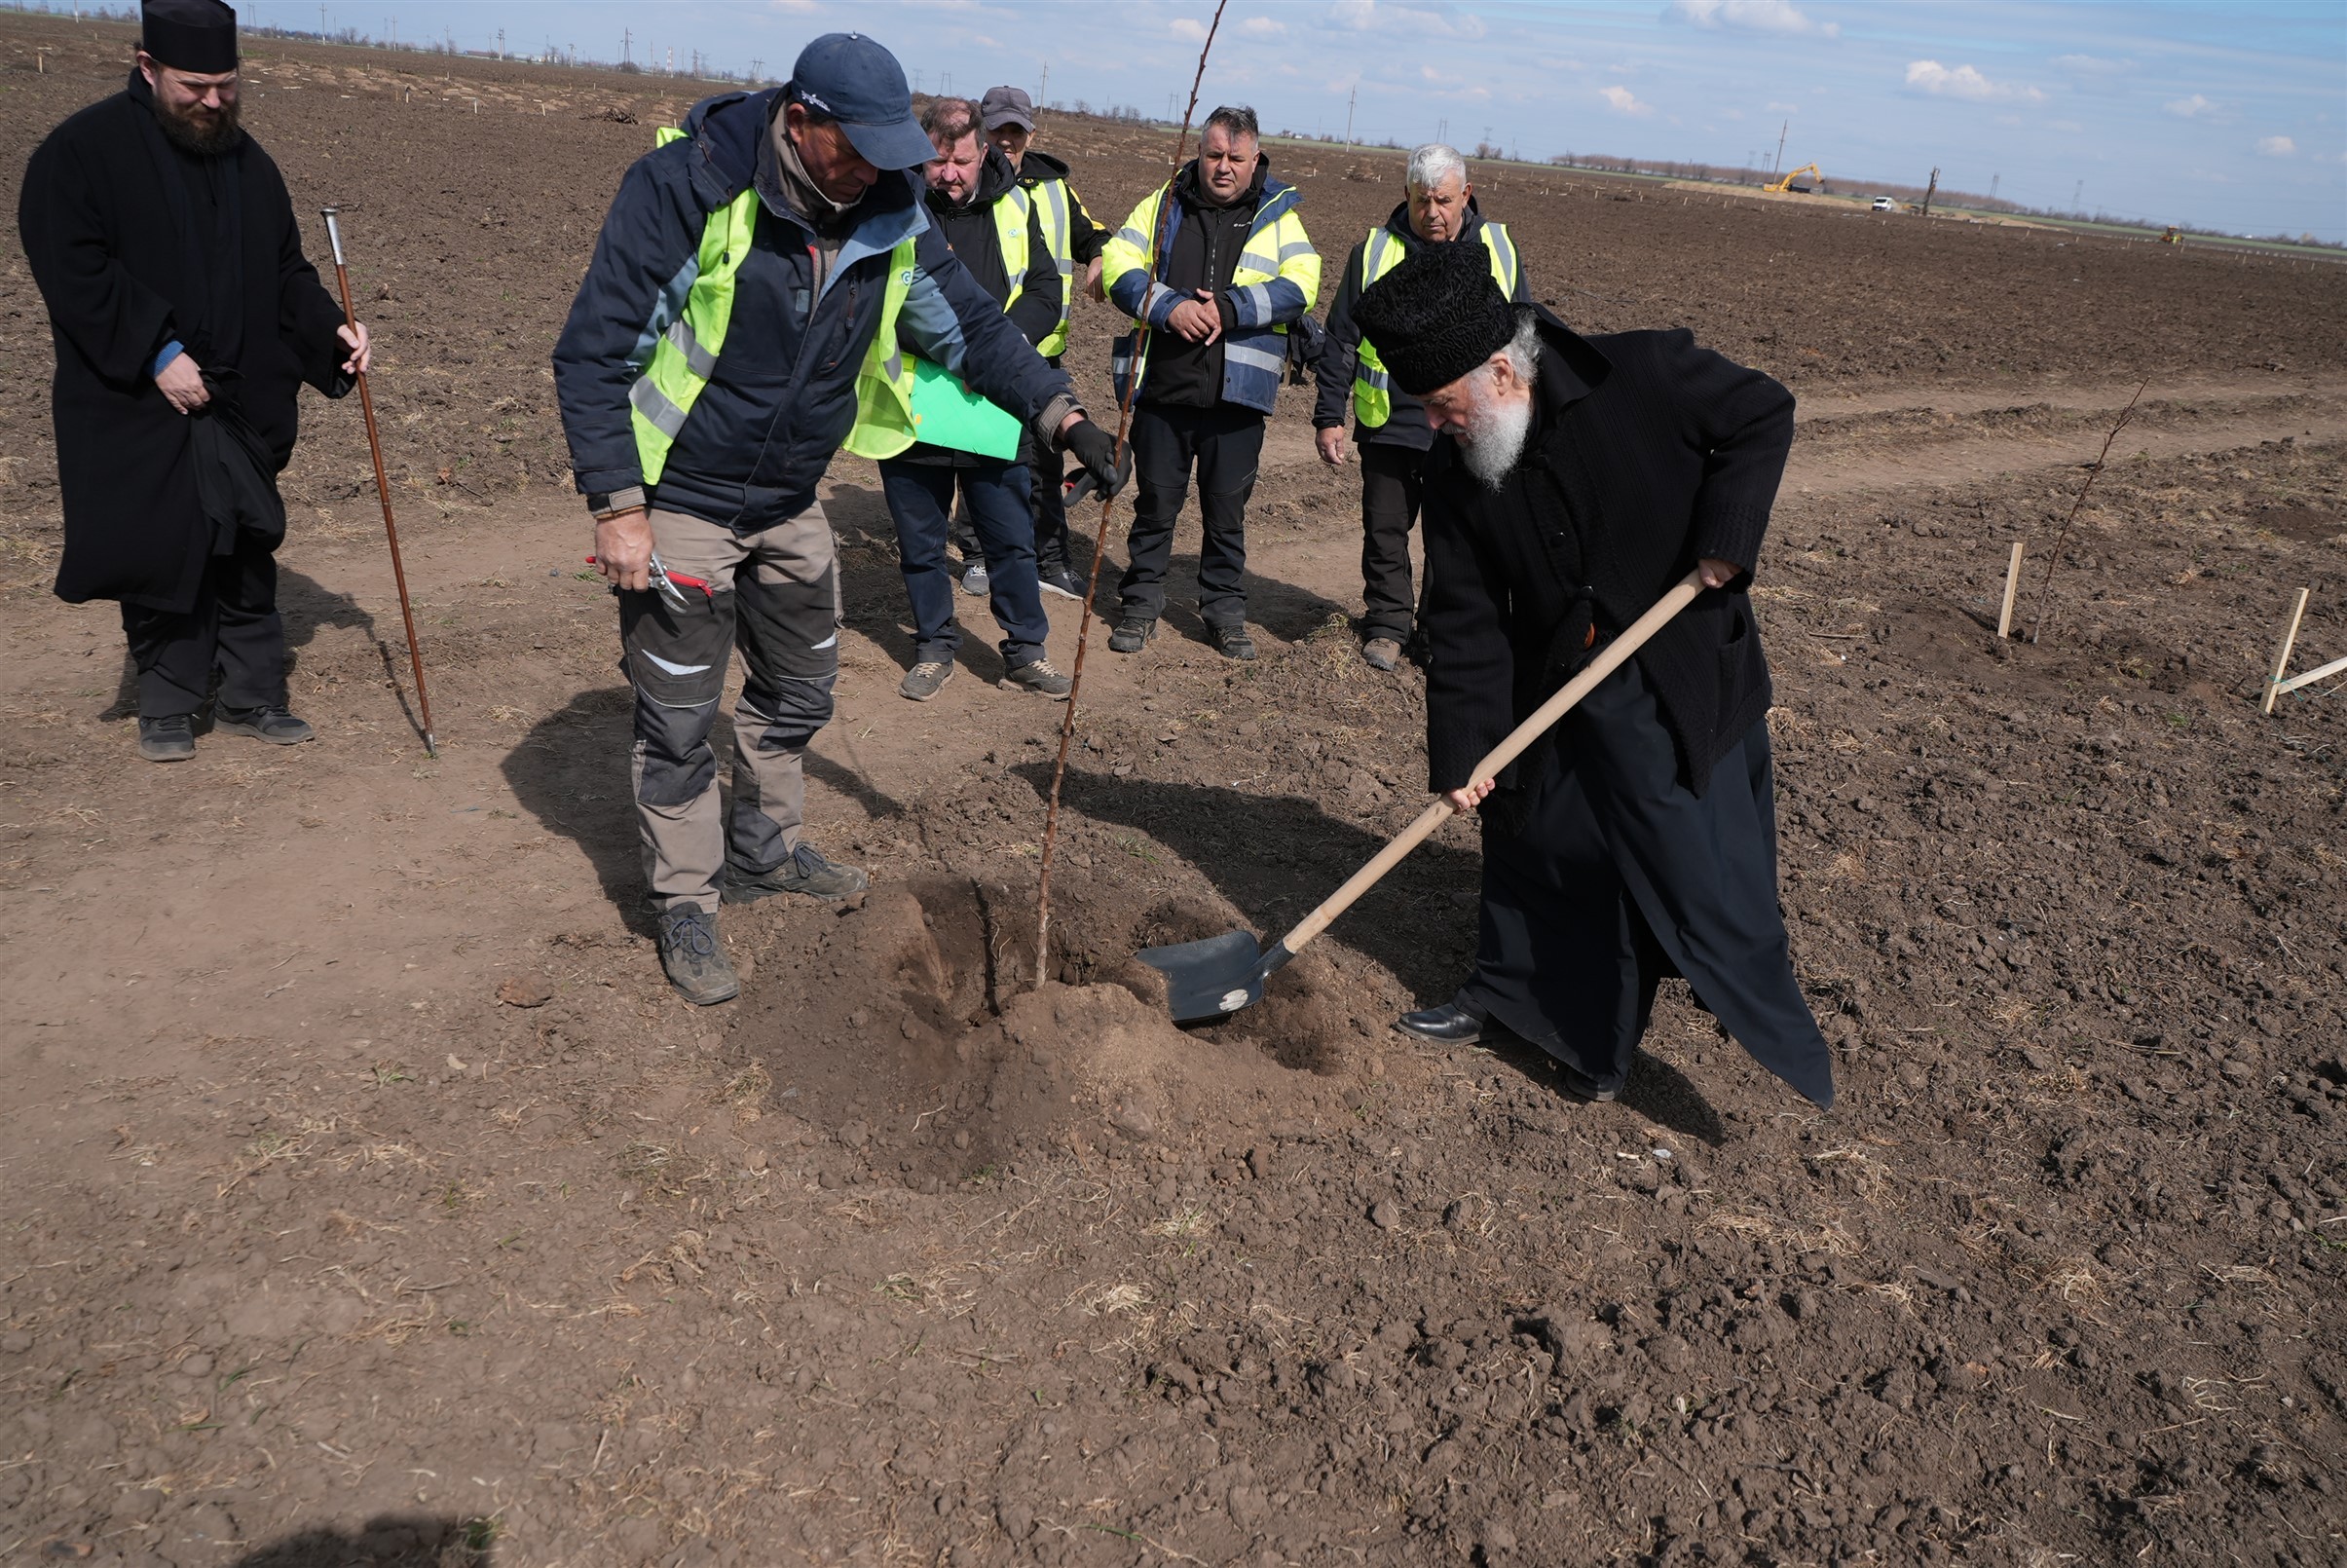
point(1791, 182)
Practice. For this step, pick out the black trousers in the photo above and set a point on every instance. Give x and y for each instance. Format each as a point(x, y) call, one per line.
point(1391, 484)
point(1050, 506)
point(1621, 876)
point(1224, 444)
point(233, 631)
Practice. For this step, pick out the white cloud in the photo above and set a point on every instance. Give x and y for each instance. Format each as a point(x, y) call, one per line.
point(1622, 100)
point(1189, 29)
point(1377, 16)
point(1263, 27)
point(1966, 83)
point(1750, 16)
point(2276, 146)
point(2191, 108)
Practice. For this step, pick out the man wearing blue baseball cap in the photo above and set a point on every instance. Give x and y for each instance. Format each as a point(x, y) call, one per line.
point(752, 296)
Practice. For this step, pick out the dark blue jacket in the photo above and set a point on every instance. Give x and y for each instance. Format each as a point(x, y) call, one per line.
point(782, 397)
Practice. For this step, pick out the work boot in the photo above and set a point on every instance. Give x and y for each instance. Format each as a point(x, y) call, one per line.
point(1454, 1022)
point(693, 959)
point(168, 740)
point(1232, 642)
point(1381, 653)
point(1061, 581)
point(924, 681)
point(1133, 633)
point(273, 724)
point(1038, 676)
point(805, 871)
point(974, 580)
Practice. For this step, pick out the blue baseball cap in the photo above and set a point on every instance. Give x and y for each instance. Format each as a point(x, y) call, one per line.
point(859, 84)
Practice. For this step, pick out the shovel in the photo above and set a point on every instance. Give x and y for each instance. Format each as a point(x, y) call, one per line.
point(1221, 975)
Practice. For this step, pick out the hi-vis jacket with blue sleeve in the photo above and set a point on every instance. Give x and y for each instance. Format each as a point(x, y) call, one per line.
point(1278, 278)
point(701, 359)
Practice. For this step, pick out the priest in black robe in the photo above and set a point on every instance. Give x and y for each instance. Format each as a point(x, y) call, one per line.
point(185, 319)
point(1573, 482)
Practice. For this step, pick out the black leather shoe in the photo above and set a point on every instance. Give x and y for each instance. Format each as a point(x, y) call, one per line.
point(1579, 1085)
point(1446, 1024)
point(168, 740)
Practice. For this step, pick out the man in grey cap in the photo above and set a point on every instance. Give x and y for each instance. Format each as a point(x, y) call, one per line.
point(1075, 240)
point(185, 319)
point(755, 286)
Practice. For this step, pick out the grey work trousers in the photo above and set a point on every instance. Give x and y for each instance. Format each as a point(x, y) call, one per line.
point(775, 595)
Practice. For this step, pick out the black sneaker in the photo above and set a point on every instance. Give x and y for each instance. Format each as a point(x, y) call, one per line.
point(1133, 633)
point(1232, 642)
point(804, 872)
point(168, 740)
point(1061, 581)
point(1038, 676)
point(692, 957)
point(1579, 1085)
point(273, 724)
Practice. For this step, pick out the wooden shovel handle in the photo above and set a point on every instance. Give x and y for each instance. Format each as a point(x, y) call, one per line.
point(1507, 751)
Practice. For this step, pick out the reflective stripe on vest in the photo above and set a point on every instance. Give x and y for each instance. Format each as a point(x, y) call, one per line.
point(1381, 253)
point(883, 424)
point(685, 355)
point(1051, 206)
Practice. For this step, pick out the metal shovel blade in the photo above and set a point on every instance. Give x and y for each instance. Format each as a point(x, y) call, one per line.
point(1211, 978)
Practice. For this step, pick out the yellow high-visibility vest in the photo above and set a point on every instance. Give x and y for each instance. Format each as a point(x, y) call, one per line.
point(1380, 254)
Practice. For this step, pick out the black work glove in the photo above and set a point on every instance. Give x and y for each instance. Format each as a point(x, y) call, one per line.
point(1106, 469)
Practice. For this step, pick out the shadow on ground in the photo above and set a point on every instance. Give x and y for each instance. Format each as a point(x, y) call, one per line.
point(387, 1541)
point(570, 771)
point(1277, 857)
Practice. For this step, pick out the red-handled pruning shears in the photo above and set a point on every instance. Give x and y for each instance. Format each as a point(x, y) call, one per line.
point(670, 583)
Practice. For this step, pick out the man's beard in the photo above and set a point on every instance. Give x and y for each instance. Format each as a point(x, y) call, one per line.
point(205, 133)
point(1495, 437)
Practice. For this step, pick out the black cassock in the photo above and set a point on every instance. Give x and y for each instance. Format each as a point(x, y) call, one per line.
point(135, 243)
point(1639, 841)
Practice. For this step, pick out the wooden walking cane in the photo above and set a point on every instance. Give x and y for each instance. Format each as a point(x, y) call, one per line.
point(383, 489)
point(1100, 543)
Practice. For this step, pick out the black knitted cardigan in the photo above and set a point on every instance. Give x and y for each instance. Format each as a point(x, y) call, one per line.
point(1647, 454)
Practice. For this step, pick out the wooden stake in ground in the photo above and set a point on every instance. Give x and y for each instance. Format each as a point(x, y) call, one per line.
point(2093, 472)
point(2004, 616)
point(2290, 640)
point(383, 488)
point(1100, 541)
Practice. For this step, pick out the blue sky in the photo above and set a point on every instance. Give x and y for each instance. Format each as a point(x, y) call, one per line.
point(2229, 116)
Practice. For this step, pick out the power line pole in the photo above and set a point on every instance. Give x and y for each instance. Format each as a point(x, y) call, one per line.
point(627, 43)
point(1783, 131)
point(2077, 198)
point(1043, 87)
point(1351, 100)
point(1992, 179)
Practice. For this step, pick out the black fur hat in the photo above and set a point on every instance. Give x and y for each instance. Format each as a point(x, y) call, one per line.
point(1437, 316)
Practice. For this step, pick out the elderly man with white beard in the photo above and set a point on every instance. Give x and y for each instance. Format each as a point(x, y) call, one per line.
point(1572, 482)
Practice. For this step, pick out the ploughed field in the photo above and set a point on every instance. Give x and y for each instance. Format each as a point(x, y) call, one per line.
point(373, 1201)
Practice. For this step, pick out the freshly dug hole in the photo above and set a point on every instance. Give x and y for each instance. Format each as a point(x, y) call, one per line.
point(910, 1029)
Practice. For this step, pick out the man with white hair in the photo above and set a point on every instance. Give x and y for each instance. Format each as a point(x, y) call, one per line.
point(1390, 426)
point(1572, 482)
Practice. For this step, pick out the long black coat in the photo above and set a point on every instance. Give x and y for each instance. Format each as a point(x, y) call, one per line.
point(103, 220)
point(1646, 455)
